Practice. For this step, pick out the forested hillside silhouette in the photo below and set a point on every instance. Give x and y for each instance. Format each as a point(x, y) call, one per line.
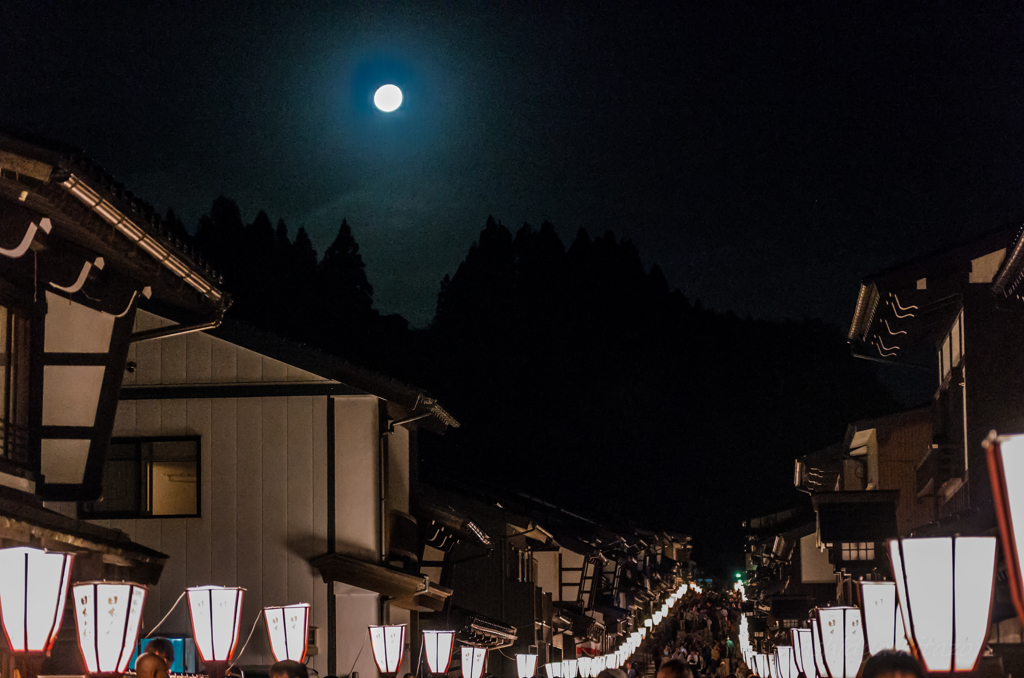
point(578, 374)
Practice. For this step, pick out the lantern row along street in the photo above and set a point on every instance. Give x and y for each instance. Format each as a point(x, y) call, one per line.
point(108, 614)
point(388, 645)
point(34, 588)
point(938, 607)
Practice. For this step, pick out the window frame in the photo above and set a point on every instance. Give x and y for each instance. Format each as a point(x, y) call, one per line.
point(854, 548)
point(88, 514)
point(21, 302)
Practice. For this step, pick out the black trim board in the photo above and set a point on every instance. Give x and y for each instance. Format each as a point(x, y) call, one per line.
point(182, 391)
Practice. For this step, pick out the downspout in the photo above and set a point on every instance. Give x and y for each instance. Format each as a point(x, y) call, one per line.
point(174, 330)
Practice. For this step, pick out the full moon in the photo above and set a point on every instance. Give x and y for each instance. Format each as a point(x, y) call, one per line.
point(388, 98)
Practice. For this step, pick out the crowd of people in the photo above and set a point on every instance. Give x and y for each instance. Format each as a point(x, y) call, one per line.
point(700, 636)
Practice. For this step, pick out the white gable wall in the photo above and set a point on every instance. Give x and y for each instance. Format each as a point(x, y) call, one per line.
point(263, 488)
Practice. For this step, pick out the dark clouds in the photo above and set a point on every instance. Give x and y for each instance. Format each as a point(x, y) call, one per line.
point(766, 154)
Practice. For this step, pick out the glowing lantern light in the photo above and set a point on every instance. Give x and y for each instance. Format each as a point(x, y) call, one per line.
point(108, 615)
point(554, 670)
point(288, 630)
point(33, 589)
point(803, 652)
point(388, 645)
point(215, 612)
point(884, 627)
point(473, 661)
point(649, 623)
point(439, 646)
point(569, 668)
point(526, 665)
point(762, 665)
point(1006, 471)
point(842, 640)
point(786, 662)
point(658, 616)
point(585, 662)
point(819, 653)
point(945, 588)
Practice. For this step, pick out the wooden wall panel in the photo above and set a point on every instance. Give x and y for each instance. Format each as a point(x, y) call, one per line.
point(224, 357)
point(198, 358)
point(172, 359)
point(274, 370)
point(173, 580)
point(300, 499)
point(148, 414)
point(249, 502)
point(249, 366)
point(318, 615)
point(223, 487)
point(198, 541)
point(147, 353)
point(356, 441)
point(173, 417)
point(275, 499)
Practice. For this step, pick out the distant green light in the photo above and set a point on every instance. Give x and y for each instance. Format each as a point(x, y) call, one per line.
point(739, 576)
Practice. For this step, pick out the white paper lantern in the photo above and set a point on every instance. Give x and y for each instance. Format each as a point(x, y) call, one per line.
point(762, 665)
point(33, 590)
point(884, 627)
point(388, 645)
point(438, 646)
point(786, 662)
point(526, 665)
point(288, 630)
point(945, 588)
point(570, 667)
point(108, 615)
point(803, 652)
point(473, 661)
point(842, 640)
point(216, 612)
point(554, 669)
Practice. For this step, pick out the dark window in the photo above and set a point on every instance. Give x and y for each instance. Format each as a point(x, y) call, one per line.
point(14, 392)
point(148, 478)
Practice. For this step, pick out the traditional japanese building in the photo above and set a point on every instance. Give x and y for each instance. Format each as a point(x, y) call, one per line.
point(78, 254)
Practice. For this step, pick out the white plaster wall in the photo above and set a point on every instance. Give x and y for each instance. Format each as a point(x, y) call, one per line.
point(263, 491)
point(356, 474)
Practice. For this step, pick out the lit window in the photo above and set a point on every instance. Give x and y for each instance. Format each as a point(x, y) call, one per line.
point(149, 478)
point(858, 550)
point(14, 386)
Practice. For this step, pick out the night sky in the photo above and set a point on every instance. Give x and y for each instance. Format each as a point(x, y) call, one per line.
point(765, 154)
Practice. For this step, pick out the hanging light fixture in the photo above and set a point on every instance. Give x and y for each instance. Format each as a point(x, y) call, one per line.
point(569, 668)
point(388, 645)
point(786, 662)
point(773, 666)
point(585, 662)
point(649, 623)
point(884, 628)
point(438, 646)
point(1006, 472)
point(473, 661)
point(526, 665)
point(819, 653)
point(945, 588)
point(215, 613)
point(762, 665)
point(288, 630)
point(803, 652)
point(842, 640)
point(554, 669)
point(33, 589)
point(107, 615)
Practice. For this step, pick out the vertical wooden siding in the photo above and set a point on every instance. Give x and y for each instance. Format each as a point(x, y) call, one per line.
point(263, 507)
